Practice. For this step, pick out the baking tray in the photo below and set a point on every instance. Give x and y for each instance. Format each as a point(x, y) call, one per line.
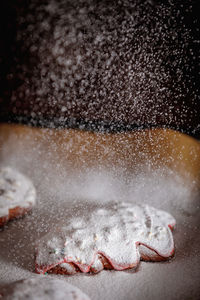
point(71, 167)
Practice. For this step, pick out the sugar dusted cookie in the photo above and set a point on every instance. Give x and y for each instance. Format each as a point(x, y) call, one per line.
point(42, 288)
point(116, 236)
point(17, 194)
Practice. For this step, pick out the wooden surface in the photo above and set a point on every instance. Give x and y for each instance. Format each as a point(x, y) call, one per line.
point(80, 149)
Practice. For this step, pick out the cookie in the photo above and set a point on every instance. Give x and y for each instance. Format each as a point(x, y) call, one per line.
point(43, 288)
point(17, 195)
point(116, 236)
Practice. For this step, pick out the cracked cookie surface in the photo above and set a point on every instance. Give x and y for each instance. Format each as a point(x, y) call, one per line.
point(17, 194)
point(42, 288)
point(115, 236)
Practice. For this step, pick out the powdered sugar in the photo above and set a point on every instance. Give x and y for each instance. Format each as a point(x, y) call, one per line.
point(43, 288)
point(59, 185)
point(114, 231)
point(121, 61)
point(15, 190)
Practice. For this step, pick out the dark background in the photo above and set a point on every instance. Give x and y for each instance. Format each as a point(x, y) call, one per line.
point(130, 64)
